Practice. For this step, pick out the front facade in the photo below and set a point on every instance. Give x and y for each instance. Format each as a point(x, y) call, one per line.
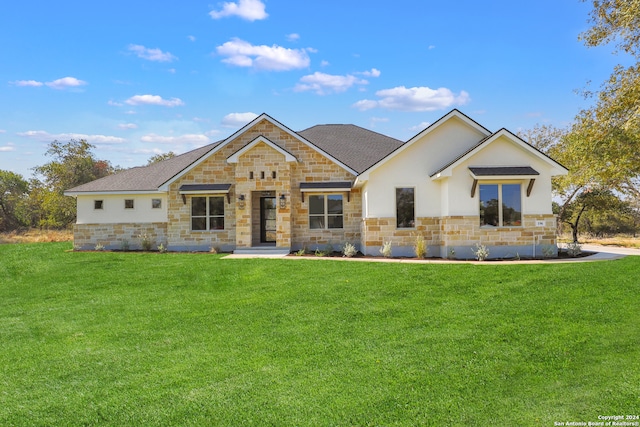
point(455, 184)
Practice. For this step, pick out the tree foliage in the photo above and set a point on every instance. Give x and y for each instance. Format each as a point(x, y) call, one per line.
point(160, 157)
point(14, 194)
point(72, 164)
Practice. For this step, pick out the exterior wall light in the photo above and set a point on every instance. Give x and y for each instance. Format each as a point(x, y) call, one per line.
point(241, 201)
point(283, 201)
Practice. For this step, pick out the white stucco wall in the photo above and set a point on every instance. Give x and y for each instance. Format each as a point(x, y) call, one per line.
point(501, 152)
point(412, 168)
point(113, 210)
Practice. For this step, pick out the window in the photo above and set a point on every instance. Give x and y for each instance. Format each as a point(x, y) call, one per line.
point(405, 208)
point(98, 204)
point(325, 211)
point(500, 205)
point(128, 203)
point(207, 213)
point(156, 203)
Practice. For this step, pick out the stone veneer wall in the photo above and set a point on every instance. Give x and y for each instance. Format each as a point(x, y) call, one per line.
point(462, 233)
point(456, 236)
point(292, 221)
point(376, 231)
point(112, 236)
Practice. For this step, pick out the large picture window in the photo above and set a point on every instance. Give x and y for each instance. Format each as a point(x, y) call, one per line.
point(500, 205)
point(325, 211)
point(405, 208)
point(207, 213)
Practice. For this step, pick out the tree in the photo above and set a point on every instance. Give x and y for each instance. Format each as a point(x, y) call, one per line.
point(600, 200)
point(160, 157)
point(73, 164)
point(610, 129)
point(13, 196)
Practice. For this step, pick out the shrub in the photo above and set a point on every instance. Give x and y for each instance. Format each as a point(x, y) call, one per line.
point(214, 250)
point(162, 248)
point(452, 253)
point(548, 251)
point(124, 245)
point(420, 247)
point(385, 250)
point(349, 250)
point(145, 242)
point(574, 249)
point(481, 252)
point(99, 247)
point(301, 252)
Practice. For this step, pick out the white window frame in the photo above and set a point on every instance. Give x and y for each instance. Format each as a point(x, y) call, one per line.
point(325, 214)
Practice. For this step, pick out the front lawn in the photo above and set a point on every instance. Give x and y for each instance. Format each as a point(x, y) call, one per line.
point(107, 338)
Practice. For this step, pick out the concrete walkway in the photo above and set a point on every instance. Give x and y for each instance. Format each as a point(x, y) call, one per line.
point(600, 253)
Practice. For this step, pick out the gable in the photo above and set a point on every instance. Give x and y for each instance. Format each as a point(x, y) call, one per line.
point(502, 149)
point(442, 141)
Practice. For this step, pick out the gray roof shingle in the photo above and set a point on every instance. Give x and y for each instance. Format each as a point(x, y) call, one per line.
point(145, 178)
point(356, 147)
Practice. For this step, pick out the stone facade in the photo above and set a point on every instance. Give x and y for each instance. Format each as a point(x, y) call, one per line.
point(262, 170)
point(456, 236)
point(116, 236)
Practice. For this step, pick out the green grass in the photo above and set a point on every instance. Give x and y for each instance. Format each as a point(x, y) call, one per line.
point(192, 339)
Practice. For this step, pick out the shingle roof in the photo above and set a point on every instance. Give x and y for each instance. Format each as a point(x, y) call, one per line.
point(144, 178)
point(354, 146)
point(503, 170)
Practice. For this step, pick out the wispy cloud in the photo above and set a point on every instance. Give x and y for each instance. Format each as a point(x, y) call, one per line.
point(419, 127)
point(26, 83)
point(6, 148)
point(63, 83)
point(45, 136)
point(192, 139)
point(293, 37)
point(127, 126)
point(250, 10)
point(240, 53)
point(66, 83)
point(151, 54)
point(322, 83)
point(154, 100)
point(191, 38)
point(414, 99)
point(238, 119)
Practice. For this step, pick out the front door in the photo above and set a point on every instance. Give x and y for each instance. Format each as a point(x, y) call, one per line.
point(268, 219)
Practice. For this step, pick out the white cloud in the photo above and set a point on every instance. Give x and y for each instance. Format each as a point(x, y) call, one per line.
point(151, 54)
point(26, 83)
point(42, 135)
point(191, 38)
point(66, 82)
point(322, 83)
point(3, 131)
point(250, 10)
point(373, 73)
point(293, 37)
point(9, 147)
point(431, 47)
point(274, 58)
point(414, 99)
point(126, 126)
point(238, 119)
point(114, 104)
point(154, 100)
point(324, 63)
point(419, 127)
point(194, 139)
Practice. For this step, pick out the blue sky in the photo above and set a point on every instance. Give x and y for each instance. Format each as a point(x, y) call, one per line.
point(141, 78)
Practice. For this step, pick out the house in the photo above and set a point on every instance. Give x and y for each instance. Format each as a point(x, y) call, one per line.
point(456, 184)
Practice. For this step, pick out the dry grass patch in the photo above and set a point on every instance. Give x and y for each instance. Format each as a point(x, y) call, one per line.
point(623, 240)
point(36, 236)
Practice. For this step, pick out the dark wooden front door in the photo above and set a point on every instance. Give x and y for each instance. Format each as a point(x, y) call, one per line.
point(268, 219)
